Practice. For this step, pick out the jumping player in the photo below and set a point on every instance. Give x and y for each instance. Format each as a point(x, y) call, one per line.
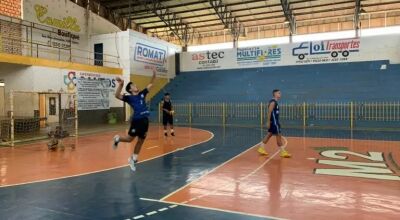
point(273, 125)
point(168, 112)
point(139, 120)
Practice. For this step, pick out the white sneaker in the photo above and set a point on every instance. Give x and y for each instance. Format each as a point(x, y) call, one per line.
point(116, 141)
point(132, 163)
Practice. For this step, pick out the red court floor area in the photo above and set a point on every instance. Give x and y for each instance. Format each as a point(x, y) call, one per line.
point(93, 153)
point(325, 179)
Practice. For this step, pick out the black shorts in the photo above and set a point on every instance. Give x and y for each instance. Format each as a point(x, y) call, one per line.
point(139, 128)
point(168, 119)
point(275, 129)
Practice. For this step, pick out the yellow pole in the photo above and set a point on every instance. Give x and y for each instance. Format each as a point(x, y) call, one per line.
point(261, 115)
point(190, 113)
point(159, 112)
point(12, 117)
point(223, 114)
point(351, 115)
point(76, 114)
point(304, 114)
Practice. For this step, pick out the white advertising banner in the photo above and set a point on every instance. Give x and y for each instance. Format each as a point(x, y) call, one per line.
point(207, 60)
point(302, 53)
point(93, 94)
point(91, 89)
point(147, 53)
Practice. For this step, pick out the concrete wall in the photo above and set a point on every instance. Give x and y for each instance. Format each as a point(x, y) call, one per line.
point(49, 15)
point(37, 78)
point(124, 45)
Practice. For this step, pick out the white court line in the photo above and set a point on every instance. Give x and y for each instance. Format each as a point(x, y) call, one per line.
point(241, 179)
point(112, 168)
point(245, 177)
point(152, 147)
point(214, 209)
point(196, 180)
point(265, 162)
point(151, 213)
point(163, 209)
point(207, 151)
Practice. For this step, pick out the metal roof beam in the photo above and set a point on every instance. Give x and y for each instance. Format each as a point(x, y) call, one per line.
point(289, 16)
point(124, 3)
point(196, 9)
point(252, 14)
point(228, 20)
point(263, 18)
point(168, 6)
point(180, 29)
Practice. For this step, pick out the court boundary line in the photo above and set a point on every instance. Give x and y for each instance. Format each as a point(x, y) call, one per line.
point(210, 208)
point(113, 168)
point(212, 170)
point(222, 164)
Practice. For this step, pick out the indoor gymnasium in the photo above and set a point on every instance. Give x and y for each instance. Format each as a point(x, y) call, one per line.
point(199, 109)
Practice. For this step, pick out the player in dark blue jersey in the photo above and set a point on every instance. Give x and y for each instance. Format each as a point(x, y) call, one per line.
point(139, 119)
point(273, 125)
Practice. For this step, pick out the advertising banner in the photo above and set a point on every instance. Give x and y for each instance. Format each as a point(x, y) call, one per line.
point(94, 90)
point(146, 54)
point(301, 53)
point(93, 94)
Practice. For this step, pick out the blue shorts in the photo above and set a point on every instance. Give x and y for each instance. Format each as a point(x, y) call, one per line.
point(275, 129)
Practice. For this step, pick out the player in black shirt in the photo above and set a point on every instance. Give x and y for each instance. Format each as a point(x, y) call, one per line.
point(168, 114)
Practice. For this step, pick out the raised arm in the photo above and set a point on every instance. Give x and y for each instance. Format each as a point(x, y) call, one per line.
point(270, 109)
point(118, 91)
point(152, 80)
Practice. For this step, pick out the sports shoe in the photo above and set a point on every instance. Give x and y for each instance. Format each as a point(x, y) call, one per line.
point(262, 151)
point(285, 154)
point(132, 164)
point(116, 141)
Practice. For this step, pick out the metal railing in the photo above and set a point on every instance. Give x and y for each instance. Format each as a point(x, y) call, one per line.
point(61, 48)
point(337, 114)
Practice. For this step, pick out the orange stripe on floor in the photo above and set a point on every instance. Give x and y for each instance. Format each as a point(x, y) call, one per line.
point(92, 153)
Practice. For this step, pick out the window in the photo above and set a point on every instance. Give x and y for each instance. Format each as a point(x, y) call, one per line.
point(98, 54)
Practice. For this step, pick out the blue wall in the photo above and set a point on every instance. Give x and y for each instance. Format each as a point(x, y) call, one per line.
point(362, 81)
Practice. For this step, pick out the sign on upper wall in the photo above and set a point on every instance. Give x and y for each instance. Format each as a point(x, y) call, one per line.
point(152, 55)
point(67, 23)
point(259, 56)
point(147, 53)
point(62, 15)
point(315, 52)
point(95, 90)
point(207, 60)
point(326, 51)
